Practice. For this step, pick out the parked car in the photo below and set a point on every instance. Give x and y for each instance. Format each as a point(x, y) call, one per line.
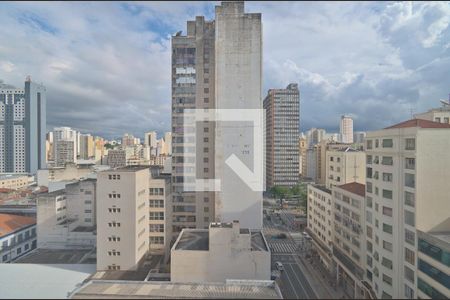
point(279, 266)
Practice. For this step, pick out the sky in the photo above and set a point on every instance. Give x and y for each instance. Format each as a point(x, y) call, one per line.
point(106, 65)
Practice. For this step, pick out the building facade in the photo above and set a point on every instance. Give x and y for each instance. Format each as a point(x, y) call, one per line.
point(343, 166)
point(122, 218)
point(346, 129)
point(64, 146)
point(282, 131)
point(13, 181)
point(17, 236)
point(22, 128)
point(407, 190)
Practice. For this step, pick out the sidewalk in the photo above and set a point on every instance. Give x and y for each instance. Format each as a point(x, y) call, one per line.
point(320, 282)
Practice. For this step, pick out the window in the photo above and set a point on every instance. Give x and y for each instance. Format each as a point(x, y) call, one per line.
point(369, 202)
point(387, 194)
point(387, 228)
point(409, 199)
point(410, 257)
point(410, 237)
point(369, 187)
point(369, 173)
point(437, 119)
point(410, 180)
point(369, 159)
point(409, 274)
point(387, 161)
point(377, 143)
point(385, 295)
point(410, 144)
point(410, 163)
point(387, 263)
point(387, 143)
point(387, 246)
point(387, 211)
point(387, 279)
point(434, 252)
point(369, 144)
point(409, 292)
point(387, 177)
point(434, 273)
point(409, 218)
point(429, 290)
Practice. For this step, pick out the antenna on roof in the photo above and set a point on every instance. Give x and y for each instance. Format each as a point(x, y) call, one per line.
point(445, 102)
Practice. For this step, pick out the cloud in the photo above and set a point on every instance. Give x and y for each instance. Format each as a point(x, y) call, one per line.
point(107, 67)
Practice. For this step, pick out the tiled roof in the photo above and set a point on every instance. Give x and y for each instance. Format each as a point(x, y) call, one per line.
point(11, 223)
point(419, 123)
point(355, 188)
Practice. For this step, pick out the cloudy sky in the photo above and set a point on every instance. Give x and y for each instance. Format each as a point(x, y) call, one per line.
point(106, 65)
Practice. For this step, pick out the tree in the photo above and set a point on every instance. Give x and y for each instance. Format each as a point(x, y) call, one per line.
point(280, 192)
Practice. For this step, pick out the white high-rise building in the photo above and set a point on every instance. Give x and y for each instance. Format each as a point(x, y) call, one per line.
point(22, 128)
point(407, 191)
point(238, 85)
point(346, 129)
point(64, 145)
point(168, 143)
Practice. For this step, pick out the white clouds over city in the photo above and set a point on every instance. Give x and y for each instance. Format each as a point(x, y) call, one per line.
point(106, 65)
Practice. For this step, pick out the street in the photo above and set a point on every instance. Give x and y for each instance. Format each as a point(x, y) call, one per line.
point(293, 282)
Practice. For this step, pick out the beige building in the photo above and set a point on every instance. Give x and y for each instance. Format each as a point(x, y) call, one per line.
point(224, 251)
point(117, 158)
point(160, 212)
point(320, 222)
point(344, 166)
point(349, 239)
point(87, 146)
point(346, 129)
point(302, 144)
point(66, 219)
point(320, 151)
point(13, 181)
point(122, 218)
point(440, 115)
point(407, 190)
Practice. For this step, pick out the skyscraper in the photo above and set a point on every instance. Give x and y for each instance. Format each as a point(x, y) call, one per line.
point(208, 73)
point(346, 129)
point(64, 145)
point(282, 131)
point(22, 128)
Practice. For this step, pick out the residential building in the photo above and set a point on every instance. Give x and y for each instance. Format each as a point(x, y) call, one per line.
point(224, 251)
point(349, 239)
point(407, 190)
point(128, 140)
point(122, 218)
point(167, 143)
point(22, 128)
point(433, 264)
point(320, 151)
point(150, 139)
point(117, 158)
point(160, 211)
point(282, 131)
point(13, 181)
point(66, 218)
point(440, 115)
point(193, 73)
point(320, 222)
point(359, 136)
point(17, 236)
point(311, 164)
point(302, 155)
point(343, 166)
point(87, 146)
point(64, 146)
point(346, 129)
point(314, 136)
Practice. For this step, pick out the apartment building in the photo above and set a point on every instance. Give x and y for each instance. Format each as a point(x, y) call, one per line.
point(22, 128)
point(349, 239)
point(122, 218)
point(87, 146)
point(440, 115)
point(433, 264)
point(66, 218)
point(13, 181)
point(282, 130)
point(65, 146)
point(343, 166)
point(117, 158)
point(160, 212)
point(346, 129)
point(407, 191)
point(302, 153)
point(320, 222)
point(320, 151)
point(17, 236)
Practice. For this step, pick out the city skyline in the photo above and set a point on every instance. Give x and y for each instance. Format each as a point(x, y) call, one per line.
point(397, 54)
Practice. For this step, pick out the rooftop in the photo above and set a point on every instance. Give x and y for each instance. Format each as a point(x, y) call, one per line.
point(11, 176)
point(198, 239)
point(127, 169)
point(56, 256)
point(419, 123)
point(157, 290)
point(323, 188)
point(355, 188)
point(11, 223)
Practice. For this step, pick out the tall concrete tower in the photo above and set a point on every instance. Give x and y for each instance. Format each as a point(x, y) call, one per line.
point(346, 129)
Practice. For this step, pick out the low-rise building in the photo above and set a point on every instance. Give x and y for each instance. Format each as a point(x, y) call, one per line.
point(320, 222)
point(224, 251)
point(17, 236)
point(13, 181)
